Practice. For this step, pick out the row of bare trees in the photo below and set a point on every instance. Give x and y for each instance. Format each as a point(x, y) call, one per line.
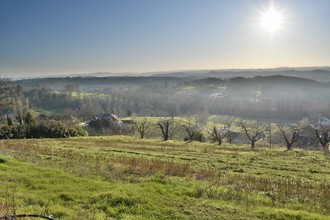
point(256, 131)
point(253, 130)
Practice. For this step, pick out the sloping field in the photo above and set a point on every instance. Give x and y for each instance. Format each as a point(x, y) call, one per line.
point(125, 178)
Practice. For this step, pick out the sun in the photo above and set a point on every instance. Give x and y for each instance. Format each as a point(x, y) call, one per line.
point(271, 21)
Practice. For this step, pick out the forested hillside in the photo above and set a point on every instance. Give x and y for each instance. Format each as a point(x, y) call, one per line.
point(276, 97)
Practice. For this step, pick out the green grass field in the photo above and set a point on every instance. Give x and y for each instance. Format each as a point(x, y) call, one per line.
point(43, 111)
point(87, 94)
point(122, 177)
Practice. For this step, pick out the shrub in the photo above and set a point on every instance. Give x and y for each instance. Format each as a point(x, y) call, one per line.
point(77, 131)
point(197, 137)
point(42, 130)
point(5, 132)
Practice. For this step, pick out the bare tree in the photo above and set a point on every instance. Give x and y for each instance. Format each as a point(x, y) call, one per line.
point(165, 126)
point(322, 136)
point(289, 134)
point(254, 131)
point(218, 134)
point(190, 128)
point(174, 128)
point(142, 126)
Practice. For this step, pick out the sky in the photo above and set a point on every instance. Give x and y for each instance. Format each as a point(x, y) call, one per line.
point(64, 37)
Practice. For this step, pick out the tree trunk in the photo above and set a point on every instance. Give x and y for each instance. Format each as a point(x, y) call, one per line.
point(166, 134)
point(191, 136)
point(164, 130)
point(253, 144)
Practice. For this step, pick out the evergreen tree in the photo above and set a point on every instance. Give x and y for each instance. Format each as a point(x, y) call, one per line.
point(29, 120)
point(20, 119)
point(129, 112)
point(9, 121)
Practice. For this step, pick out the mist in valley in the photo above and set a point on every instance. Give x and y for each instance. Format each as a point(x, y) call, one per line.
point(265, 96)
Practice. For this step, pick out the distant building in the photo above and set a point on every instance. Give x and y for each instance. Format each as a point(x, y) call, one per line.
point(324, 121)
point(108, 116)
point(307, 141)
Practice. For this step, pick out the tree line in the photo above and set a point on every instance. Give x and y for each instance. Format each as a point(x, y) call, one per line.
point(189, 129)
point(29, 128)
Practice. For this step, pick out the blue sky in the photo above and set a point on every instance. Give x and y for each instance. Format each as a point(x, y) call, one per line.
point(53, 37)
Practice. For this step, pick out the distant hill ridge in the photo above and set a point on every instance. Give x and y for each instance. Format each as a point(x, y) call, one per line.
point(142, 81)
point(318, 73)
point(263, 80)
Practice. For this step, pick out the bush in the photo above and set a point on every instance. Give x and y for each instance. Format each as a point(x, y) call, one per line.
point(6, 132)
point(42, 130)
point(77, 131)
point(197, 137)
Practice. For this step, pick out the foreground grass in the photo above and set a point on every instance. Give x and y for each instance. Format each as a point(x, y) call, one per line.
point(125, 178)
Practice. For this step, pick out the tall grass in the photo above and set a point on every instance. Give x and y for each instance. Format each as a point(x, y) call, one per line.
point(295, 180)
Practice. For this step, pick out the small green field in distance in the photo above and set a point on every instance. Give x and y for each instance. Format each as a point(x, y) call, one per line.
point(85, 94)
point(121, 177)
point(48, 112)
point(89, 94)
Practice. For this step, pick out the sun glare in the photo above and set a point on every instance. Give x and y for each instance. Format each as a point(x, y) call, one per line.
point(271, 21)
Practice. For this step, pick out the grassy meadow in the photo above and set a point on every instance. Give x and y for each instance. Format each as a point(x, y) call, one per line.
point(121, 177)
